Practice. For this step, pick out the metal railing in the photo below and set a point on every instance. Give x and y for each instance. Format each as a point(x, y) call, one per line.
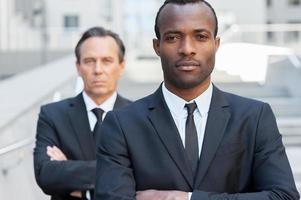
point(16, 146)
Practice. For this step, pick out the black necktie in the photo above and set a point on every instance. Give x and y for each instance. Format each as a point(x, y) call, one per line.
point(191, 138)
point(98, 112)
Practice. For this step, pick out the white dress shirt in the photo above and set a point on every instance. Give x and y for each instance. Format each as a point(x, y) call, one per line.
point(179, 113)
point(105, 106)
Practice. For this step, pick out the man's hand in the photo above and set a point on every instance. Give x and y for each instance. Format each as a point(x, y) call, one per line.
point(55, 153)
point(77, 194)
point(161, 195)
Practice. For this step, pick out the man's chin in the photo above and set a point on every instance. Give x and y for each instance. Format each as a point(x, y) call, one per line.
point(187, 84)
point(99, 92)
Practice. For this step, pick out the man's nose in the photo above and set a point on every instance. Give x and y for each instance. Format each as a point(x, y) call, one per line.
point(98, 67)
point(187, 47)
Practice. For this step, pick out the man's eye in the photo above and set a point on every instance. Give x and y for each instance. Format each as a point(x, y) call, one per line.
point(171, 38)
point(89, 61)
point(108, 60)
point(201, 37)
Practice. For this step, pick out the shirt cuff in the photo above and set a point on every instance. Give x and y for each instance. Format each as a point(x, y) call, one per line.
point(189, 195)
point(88, 195)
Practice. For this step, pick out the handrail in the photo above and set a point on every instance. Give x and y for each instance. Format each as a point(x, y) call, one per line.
point(16, 146)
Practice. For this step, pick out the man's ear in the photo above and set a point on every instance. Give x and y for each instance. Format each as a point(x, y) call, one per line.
point(217, 43)
point(77, 64)
point(122, 66)
point(156, 46)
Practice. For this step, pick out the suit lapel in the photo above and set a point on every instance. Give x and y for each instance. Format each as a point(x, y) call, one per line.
point(217, 121)
point(161, 119)
point(120, 102)
point(79, 120)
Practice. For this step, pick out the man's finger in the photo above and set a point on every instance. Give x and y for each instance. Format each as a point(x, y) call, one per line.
point(50, 151)
point(59, 154)
point(77, 194)
point(55, 153)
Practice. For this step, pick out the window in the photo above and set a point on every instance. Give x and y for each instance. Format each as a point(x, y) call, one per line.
point(294, 35)
point(106, 14)
point(71, 21)
point(270, 35)
point(294, 2)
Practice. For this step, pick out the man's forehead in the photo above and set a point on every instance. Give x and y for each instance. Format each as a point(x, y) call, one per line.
point(197, 15)
point(95, 46)
point(99, 42)
point(106, 38)
point(178, 9)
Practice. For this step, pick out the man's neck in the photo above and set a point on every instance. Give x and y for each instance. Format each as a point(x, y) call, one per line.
point(100, 99)
point(188, 94)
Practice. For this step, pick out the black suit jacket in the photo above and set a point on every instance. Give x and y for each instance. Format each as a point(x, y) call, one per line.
point(242, 155)
point(65, 124)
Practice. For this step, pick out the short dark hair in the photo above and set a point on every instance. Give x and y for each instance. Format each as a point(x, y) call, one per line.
point(183, 2)
point(100, 32)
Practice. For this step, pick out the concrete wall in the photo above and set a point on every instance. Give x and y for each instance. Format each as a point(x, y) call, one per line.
point(244, 12)
point(281, 12)
point(12, 63)
point(284, 73)
point(107, 13)
point(20, 102)
point(16, 31)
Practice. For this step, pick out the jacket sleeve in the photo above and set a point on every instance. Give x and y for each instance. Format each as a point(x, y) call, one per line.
point(114, 173)
point(271, 172)
point(58, 177)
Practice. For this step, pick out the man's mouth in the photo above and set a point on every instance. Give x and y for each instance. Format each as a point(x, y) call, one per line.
point(187, 65)
point(99, 82)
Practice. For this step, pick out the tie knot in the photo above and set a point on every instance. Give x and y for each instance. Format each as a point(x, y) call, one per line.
point(98, 113)
point(191, 107)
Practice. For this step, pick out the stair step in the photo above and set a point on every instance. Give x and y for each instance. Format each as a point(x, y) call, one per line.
point(254, 89)
point(292, 142)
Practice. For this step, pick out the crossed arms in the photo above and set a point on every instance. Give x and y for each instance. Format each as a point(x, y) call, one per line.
point(56, 174)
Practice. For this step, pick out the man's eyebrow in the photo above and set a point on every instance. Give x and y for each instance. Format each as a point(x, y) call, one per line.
point(108, 57)
point(202, 30)
point(171, 32)
point(88, 57)
point(195, 31)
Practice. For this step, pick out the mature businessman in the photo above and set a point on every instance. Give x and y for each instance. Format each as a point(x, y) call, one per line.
point(190, 140)
point(64, 156)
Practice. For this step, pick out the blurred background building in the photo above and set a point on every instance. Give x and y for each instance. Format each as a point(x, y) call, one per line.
point(259, 58)
point(36, 31)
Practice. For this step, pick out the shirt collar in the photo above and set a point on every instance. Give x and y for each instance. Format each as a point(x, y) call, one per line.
point(106, 106)
point(177, 105)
